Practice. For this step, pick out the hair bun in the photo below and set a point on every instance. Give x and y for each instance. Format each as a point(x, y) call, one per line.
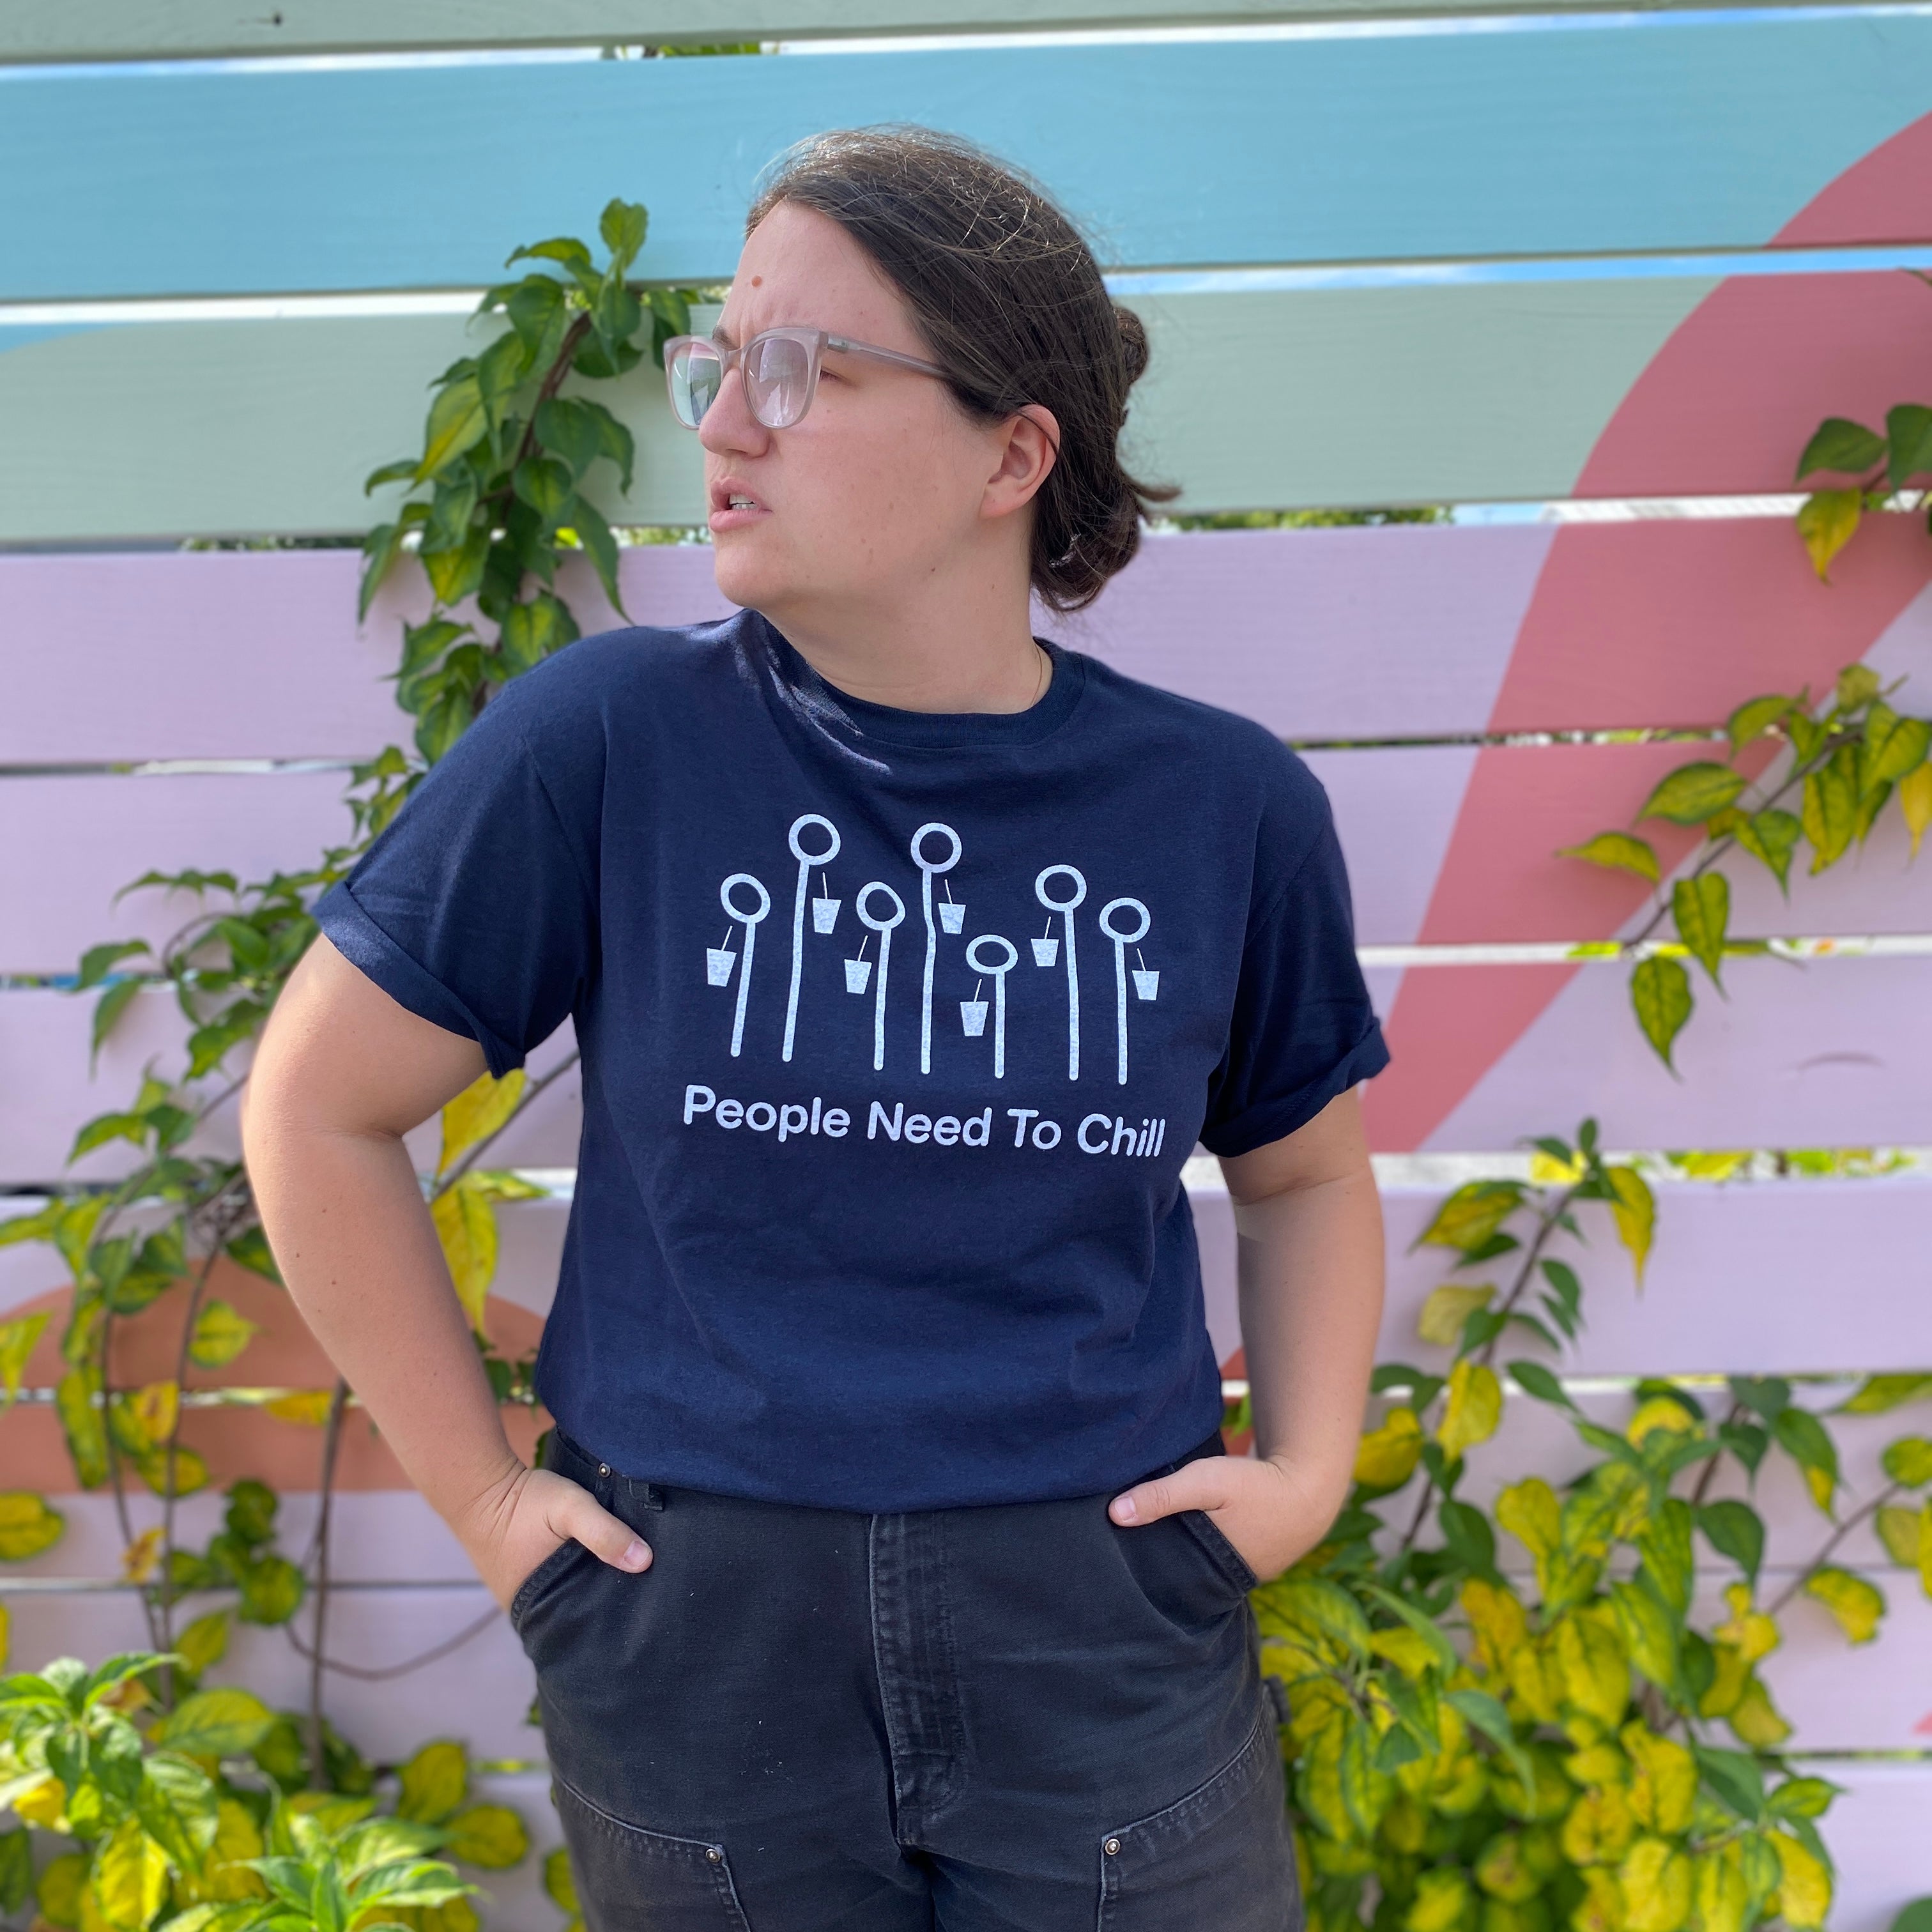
point(1133, 342)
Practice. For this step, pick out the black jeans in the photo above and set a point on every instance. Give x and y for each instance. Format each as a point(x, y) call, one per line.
point(1017, 1716)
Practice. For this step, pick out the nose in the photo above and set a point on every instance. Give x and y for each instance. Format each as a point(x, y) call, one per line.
point(729, 428)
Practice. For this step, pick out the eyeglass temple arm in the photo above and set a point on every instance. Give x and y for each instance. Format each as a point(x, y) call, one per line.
point(851, 348)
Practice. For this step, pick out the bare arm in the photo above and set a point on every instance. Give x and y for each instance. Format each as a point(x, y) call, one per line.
point(342, 1073)
point(1309, 1237)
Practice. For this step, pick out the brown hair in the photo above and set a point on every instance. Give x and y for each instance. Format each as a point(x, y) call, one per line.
point(1009, 299)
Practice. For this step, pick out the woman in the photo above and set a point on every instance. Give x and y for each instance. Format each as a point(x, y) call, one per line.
point(886, 1570)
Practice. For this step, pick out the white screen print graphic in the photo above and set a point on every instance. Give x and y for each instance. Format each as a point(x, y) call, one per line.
point(824, 910)
point(935, 849)
point(957, 916)
point(884, 928)
point(1145, 983)
point(1043, 950)
point(749, 921)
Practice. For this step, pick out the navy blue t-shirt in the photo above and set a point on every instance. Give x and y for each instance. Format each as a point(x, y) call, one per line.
point(897, 1028)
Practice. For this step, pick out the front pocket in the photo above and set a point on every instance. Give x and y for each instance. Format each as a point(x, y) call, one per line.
point(541, 1577)
point(1220, 1857)
point(629, 1879)
point(1228, 1559)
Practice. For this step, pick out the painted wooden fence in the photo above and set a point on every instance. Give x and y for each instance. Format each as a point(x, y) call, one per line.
point(1401, 256)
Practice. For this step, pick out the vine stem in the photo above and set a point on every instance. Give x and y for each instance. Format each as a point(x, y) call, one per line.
point(332, 1443)
point(1832, 1542)
point(1548, 1220)
point(366, 1674)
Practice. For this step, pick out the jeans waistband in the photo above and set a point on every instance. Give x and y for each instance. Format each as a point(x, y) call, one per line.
point(569, 1457)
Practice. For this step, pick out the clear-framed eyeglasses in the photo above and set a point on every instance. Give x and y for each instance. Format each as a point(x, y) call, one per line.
point(780, 367)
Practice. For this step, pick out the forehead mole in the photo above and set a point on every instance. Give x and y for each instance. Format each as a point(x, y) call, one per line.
point(757, 281)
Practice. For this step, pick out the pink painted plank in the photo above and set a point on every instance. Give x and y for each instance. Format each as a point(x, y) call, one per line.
point(1397, 632)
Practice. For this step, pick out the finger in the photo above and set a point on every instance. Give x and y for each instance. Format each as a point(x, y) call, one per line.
point(1196, 1485)
point(607, 1537)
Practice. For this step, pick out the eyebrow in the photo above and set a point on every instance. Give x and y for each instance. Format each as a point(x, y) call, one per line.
point(719, 333)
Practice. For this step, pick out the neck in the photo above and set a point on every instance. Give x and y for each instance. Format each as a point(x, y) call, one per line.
point(953, 646)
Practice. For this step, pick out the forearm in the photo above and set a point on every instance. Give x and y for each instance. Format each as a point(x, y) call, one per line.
point(354, 1241)
point(1310, 1266)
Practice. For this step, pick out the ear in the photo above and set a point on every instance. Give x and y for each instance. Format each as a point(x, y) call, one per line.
point(1026, 447)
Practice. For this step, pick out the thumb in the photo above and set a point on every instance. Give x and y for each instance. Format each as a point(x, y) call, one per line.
point(578, 1514)
point(1193, 1486)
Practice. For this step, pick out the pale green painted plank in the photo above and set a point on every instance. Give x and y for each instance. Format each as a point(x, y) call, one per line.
point(1272, 399)
point(105, 30)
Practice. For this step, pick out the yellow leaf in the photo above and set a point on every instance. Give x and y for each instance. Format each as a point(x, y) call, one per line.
point(1442, 1897)
point(1385, 1458)
point(1804, 1886)
point(1634, 1210)
point(45, 1804)
point(1504, 1871)
point(1724, 1897)
point(559, 1882)
point(27, 1525)
point(226, 1878)
point(6, 1625)
point(1925, 1547)
point(1599, 1827)
point(435, 1782)
point(1751, 1631)
point(1535, 1683)
point(220, 1335)
point(130, 1874)
point(1663, 1792)
point(476, 1113)
point(1598, 1764)
point(1660, 1412)
point(1899, 1530)
point(465, 1224)
point(1827, 520)
point(1657, 1885)
point(1712, 1164)
point(1530, 1512)
point(140, 1559)
point(1595, 1673)
point(59, 1889)
point(1470, 1216)
point(1409, 1651)
point(205, 1643)
point(309, 1407)
point(1857, 1605)
point(1915, 800)
point(1497, 1618)
point(190, 1472)
point(1447, 1308)
point(1474, 1408)
point(1602, 1909)
point(1547, 1171)
point(489, 1835)
point(17, 1338)
point(1754, 1718)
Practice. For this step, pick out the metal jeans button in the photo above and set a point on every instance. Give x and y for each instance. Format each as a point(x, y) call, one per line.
point(1112, 1845)
point(716, 1854)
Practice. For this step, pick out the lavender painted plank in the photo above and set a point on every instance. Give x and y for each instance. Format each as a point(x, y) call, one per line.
point(1404, 631)
point(43, 1075)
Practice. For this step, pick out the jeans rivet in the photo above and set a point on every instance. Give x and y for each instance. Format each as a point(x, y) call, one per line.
point(1112, 1845)
point(603, 1468)
point(716, 1855)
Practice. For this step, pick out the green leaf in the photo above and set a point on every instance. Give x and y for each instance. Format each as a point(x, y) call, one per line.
point(1915, 1917)
point(531, 631)
point(1840, 445)
point(614, 440)
point(1894, 746)
point(454, 574)
point(1439, 1645)
point(1533, 1378)
point(250, 1249)
point(1754, 717)
point(622, 225)
point(1660, 994)
point(1700, 908)
point(271, 1591)
point(568, 428)
point(545, 484)
point(594, 532)
point(1470, 1540)
point(1693, 793)
point(1770, 836)
point(457, 420)
point(1734, 1777)
point(220, 1335)
point(1908, 436)
point(1736, 1530)
point(1471, 1215)
point(1831, 808)
point(16, 1869)
point(18, 1338)
point(1803, 1437)
point(569, 253)
point(1483, 1712)
point(1619, 850)
point(216, 1724)
point(176, 1802)
point(1909, 1461)
point(1828, 520)
point(435, 1782)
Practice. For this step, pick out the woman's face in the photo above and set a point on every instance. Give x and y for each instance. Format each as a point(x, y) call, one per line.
point(885, 483)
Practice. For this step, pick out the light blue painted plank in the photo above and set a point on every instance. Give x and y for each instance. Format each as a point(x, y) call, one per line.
point(1570, 135)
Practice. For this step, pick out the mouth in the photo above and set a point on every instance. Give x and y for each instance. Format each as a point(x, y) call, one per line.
point(732, 505)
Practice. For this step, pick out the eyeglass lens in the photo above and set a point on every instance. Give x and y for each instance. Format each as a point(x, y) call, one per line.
point(778, 381)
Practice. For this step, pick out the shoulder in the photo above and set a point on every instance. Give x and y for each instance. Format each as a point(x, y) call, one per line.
point(1233, 755)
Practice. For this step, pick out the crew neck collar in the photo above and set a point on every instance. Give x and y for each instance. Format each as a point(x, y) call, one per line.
point(864, 722)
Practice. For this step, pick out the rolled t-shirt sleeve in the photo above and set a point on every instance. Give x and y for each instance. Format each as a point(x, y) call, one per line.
point(1303, 1029)
point(473, 907)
